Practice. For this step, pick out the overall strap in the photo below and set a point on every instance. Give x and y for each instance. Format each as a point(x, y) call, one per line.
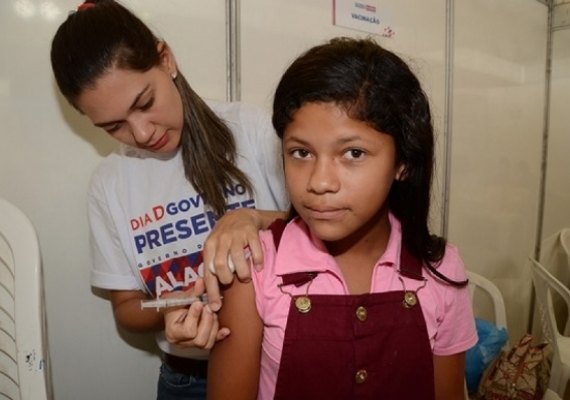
point(277, 227)
point(410, 266)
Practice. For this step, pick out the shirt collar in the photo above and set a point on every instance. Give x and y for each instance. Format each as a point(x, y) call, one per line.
point(300, 251)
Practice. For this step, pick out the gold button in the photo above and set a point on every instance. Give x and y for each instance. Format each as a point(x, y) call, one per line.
point(361, 376)
point(303, 304)
point(361, 313)
point(410, 299)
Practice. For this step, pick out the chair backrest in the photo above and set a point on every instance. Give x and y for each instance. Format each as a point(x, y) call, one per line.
point(548, 289)
point(480, 286)
point(546, 285)
point(551, 395)
point(483, 293)
point(24, 372)
point(565, 240)
point(555, 257)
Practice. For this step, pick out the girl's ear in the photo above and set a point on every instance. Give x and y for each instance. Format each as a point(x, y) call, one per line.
point(401, 173)
point(167, 60)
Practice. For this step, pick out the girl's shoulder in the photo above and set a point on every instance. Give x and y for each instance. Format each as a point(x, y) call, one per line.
point(452, 265)
point(271, 237)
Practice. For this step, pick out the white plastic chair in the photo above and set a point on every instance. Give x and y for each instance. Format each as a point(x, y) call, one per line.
point(481, 286)
point(550, 395)
point(565, 240)
point(24, 373)
point(555, 257)
point(546, 285)
point(481, 291)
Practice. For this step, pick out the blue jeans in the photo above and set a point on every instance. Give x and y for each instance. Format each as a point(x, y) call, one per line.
point(176, 386)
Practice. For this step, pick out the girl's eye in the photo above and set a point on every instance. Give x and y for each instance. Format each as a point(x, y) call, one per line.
point(354, 154)
point(299, 153)
point(147, 105)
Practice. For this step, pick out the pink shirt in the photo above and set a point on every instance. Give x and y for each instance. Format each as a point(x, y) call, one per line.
point(447, 309)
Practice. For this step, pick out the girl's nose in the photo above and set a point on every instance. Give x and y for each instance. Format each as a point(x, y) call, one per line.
point(324, 177)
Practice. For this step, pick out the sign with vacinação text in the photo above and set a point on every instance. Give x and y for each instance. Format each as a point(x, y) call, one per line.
point(364, 16)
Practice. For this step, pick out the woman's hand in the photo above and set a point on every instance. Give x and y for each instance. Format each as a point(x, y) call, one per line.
point(194, 326)
point(233, 247)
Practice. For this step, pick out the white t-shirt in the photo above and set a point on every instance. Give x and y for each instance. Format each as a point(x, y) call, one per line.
point(148, 223)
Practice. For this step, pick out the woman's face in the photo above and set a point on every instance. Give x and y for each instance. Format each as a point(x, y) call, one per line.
point(141, 109)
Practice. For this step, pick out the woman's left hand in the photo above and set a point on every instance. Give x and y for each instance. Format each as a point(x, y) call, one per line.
point(194, 326)
point(234, 247)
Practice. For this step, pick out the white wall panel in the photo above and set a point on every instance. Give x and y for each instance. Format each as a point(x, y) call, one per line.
point(47, 155)
point(500, 53)
point(557, 194)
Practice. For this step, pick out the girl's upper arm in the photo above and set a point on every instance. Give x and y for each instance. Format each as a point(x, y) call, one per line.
point(449, 375)
point(234, 363)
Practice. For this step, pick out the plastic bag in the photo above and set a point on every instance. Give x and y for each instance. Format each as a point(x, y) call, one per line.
point(479, 357)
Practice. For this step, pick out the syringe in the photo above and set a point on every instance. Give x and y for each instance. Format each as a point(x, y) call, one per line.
point(172, 302)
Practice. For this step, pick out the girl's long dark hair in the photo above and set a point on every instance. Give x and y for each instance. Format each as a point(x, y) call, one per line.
point(108, 35)
point(375, 86)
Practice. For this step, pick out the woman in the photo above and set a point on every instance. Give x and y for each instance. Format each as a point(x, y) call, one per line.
point(182, 164)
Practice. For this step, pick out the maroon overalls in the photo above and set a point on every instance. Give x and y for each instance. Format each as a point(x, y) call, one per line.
point(369, 346)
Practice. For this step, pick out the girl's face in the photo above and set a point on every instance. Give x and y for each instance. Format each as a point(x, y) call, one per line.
point(338, 172)
point(141, 109)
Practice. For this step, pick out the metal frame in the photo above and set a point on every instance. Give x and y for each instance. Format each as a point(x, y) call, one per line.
point(233, 62)
point(448, 121)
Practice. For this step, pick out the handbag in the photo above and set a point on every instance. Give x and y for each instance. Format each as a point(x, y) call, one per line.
point(521, 373)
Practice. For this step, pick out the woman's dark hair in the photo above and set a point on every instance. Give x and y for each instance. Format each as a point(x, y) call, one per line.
point(375, 86)
point(107, 35)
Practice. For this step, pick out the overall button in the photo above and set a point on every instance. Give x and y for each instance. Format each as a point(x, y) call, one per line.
point(361, 376)
point(410, 299)
point(361, 313)
point(303, 304)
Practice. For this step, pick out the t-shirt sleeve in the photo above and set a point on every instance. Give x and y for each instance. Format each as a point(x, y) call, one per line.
point(269, 155)
point(456, 331)
point(110, 267)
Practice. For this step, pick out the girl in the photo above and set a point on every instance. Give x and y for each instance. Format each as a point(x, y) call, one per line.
point(182, 164)
point(356, 300)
